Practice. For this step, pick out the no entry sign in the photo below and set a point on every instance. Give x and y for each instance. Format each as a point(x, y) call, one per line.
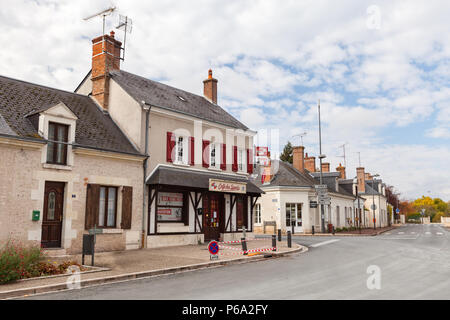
point(213, 248)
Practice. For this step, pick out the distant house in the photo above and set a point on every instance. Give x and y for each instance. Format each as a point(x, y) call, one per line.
point(200, 157)
point(65, 168)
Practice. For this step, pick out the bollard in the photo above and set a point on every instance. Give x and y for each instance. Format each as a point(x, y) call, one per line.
point(244, 232)
point(274, 242)
point(312, 230)
point(289, 239)
point(244, 246)
point(334, 230)
point(279, 234)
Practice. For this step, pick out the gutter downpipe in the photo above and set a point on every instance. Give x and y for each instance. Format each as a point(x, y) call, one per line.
point(146, 107)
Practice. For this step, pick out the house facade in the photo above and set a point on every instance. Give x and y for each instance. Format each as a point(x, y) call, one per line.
point(197, 174)
point(65, 168)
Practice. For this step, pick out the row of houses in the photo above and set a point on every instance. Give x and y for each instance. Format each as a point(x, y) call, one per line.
point(146, 165)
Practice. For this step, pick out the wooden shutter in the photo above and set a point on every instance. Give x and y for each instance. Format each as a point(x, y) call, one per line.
point(170, 145)
point(191, 151)
point(249, 161)
point(205, 154)
point(185, 214)
point(127, 207)
point(235, 162)
point(92, 203)
point(223, 161)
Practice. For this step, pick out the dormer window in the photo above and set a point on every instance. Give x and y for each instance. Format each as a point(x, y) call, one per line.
point(57, 152)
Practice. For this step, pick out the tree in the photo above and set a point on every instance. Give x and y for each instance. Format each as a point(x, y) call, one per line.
point(287, 154)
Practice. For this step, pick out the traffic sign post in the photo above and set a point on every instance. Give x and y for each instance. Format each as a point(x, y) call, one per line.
point(213, 248)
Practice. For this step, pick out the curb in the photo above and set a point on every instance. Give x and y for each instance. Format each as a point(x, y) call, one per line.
point(143, 274)
point(342, 234)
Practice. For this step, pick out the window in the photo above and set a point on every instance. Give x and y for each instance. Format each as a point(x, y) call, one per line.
point(293, 214)
point(57, 152)
point(181, 150)
point(107, 208)
point(257, 213)
point(214, 152)
point(241, 160)
point(170, 207)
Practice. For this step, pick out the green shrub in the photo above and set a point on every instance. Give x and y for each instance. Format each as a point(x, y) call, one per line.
point(18, 261)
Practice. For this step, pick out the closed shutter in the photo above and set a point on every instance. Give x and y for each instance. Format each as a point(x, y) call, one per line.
point(127, 207)
point(170, 145)
point(235, 164)
point(92, 203)
point(249, 161)
point(191, 151)
point(205, 154)
point(223, 162)
point(185, 214)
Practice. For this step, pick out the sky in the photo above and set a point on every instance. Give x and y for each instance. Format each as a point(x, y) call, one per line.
point(381, 70)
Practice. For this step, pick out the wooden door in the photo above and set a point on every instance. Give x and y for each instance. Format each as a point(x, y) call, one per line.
point(53, 214)
point(213, 219)
point(241, 212)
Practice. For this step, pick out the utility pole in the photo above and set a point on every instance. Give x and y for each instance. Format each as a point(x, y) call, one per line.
point(322, 209)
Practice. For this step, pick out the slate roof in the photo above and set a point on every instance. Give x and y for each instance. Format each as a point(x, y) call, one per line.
point(167, 97)
point(193, 178)
point(286, 176)
point(329, 178)
point(19, 99)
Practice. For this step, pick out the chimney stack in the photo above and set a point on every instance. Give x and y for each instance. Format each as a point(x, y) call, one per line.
point(210, 88)
point(360, 175)
point(310, 163)
point(325, 167)
point(298, 159)
point(105, 58)
point(367, 176)
point(341, 170)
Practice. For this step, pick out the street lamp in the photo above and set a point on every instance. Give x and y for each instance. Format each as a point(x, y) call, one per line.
point(355, 181)
point(373, 201)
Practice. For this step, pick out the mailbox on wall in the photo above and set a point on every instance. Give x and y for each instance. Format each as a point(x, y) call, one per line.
point(36, 215)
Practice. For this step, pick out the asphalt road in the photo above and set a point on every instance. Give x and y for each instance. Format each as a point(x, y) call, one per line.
point(413, 260)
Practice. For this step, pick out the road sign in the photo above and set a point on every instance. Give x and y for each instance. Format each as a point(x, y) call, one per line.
point(423, 212)
point(320, 186)
point(213, 248)
point(313, 204)
point(373, 207)
point(397, 211)
point(324, 202)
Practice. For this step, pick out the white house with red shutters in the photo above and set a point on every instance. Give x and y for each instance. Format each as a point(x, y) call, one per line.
point(197, 185)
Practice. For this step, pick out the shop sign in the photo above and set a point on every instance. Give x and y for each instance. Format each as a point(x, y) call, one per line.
point(227, 186)
point(170, 199)
point(262, 151)
point(169, 214)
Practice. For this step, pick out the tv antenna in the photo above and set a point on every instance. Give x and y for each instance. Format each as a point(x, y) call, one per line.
point(359, 158)
point(345, 159)
point(103, 13)
point(301, 135)
point(126, 25)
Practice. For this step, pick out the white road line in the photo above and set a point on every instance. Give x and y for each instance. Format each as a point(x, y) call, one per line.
point(439, 233)
point(401, 233)
point(323, 243)
point(428, 232)
point(412, 232)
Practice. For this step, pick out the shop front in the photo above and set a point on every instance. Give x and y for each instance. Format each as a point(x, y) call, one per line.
point(194, 206)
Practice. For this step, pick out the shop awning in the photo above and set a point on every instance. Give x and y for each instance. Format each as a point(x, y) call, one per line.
point(194, 179)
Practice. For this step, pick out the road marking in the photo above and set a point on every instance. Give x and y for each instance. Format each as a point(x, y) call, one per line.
point(401, 233)
point(428, 232)
point(323, 243)
point(412, 232)
point(387, 233)
point(439, 233)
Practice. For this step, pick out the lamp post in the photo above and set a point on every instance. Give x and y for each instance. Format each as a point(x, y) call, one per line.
point(373, 202)
point(321, 156)
point(355, 181)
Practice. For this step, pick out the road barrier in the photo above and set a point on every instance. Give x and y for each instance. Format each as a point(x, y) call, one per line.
point(243, 249)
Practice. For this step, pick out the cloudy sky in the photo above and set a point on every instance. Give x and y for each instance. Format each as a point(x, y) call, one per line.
point(381, 70)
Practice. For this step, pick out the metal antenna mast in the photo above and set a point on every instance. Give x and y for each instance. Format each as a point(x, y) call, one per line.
point(359, 158)
point(301, 135)
point(103, 13)
point(345, 159)
point(126, 25)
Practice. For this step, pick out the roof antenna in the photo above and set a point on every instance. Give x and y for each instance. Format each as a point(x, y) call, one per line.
point(345, 159)
point(126, 25)
point(301, 135)
point(103, 13)
point(359, 158)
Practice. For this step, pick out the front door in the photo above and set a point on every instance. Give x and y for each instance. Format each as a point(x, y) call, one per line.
point(53, 213)
point(294, 217)
point(213, 215)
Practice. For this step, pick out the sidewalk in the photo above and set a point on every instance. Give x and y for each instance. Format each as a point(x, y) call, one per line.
point(132, 264)
point(364, 232)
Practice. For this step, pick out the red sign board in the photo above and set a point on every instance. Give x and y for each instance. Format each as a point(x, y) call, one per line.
point(262, 151)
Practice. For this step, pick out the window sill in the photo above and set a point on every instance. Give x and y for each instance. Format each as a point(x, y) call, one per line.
point(57, 166)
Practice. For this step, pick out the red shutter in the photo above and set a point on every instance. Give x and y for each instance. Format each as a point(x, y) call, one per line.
point(205, 154)
point(249, 161)
point(223, 163)
point(170, 146)
point(235, 164)
point(191, 151)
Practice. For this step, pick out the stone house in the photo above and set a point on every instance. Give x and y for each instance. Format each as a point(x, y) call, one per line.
point(65, 168)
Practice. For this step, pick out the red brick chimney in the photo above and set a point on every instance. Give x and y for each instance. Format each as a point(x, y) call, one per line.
point(341, 170)
point(325, 167)
point(105, 58)
point(360, 175)
point(210, 88)
point(298, 158)
point(310, 163)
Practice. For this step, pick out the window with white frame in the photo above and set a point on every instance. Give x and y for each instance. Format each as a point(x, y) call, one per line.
point(257, 213)
point(181, 150)
point(214, 155)
point(242, 163)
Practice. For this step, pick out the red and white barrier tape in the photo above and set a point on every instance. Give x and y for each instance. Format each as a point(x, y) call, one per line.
point(261, 249)
point(240, 241)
